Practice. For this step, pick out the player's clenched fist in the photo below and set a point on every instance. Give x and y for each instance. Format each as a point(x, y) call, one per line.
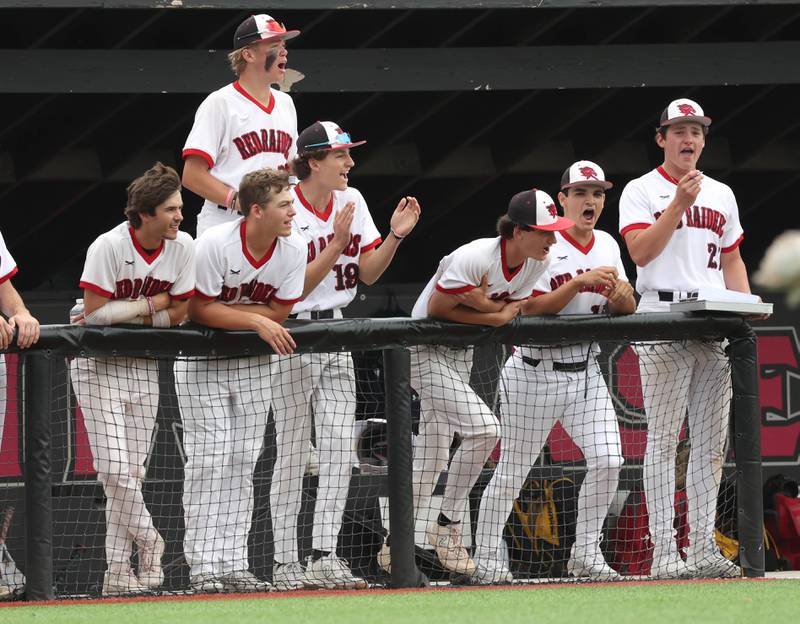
point(275, 335)
point(509, 312)
point(620, 293)
point(688, 188)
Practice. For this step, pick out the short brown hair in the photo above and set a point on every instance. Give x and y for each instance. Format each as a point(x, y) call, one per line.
point(662, 130)
point(505, 227)
point(259, 187)
point(237, 61)
point(150, 190)
point(300, 166)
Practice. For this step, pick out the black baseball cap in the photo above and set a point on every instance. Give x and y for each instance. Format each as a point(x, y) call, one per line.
point(324, 135)
point(260, 28)
point(536, 209)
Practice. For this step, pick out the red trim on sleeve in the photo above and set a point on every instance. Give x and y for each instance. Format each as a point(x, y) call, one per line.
point(455, 291)
point(538, 293)
point(96, 289)
point(267, 109)
point(734, 246)
point(184, 296)
point(286, 301)
point(8, 276)
point(202, 295)
point(372, 245)
point(196, 152)
point(633, 226)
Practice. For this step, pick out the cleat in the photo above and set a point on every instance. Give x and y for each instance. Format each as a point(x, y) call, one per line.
point(446, 540)
point(384, 558)
point(491, 572)
point(121, 583)
point(206, 584)
point(593, 566)
point(243, 581)
point(709, 562)
point(150, 572)
point(289, 576)
point(331, 572)
point(670, 567)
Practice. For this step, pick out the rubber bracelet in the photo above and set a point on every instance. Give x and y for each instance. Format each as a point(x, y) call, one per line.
point(393, 233)
point(228, 197)
point(151, 305)
point(233, 200)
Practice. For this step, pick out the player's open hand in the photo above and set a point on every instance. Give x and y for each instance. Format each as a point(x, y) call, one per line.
point(604, 277)
point(688, 188)
point(477, 299)
point(275, 335)
point(342, 223)
point(27, 329)
point(405, 216)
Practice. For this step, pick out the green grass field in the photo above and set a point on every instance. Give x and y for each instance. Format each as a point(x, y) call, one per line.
point(733, 601)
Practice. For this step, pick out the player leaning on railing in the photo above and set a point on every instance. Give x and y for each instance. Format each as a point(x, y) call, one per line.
point(485, 282)
point(140, 272)
point(543, 385)
point(682, 230)
point(344, 248)
point(249, 274)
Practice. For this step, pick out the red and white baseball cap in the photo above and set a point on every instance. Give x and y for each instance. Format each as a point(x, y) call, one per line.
point(536, 209)
point(584, 173)
point(324, 135)
point(260, 27)
point(683, 109)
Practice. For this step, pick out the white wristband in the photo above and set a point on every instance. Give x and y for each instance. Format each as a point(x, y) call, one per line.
point(161, 319)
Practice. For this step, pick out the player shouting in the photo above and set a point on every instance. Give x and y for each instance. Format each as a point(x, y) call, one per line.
point(544, 385)
point(484, 282)
point(244, 126)
point(140, 272)
point(344, 247)
point(249, 274)
point(682, 231)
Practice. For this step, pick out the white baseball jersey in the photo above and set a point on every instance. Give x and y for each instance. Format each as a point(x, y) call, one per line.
point(339, 287)
point(235, 134)
point(709, 228)
point(568, 259)
point(118, 267)
point(227, 272)
point(8, 267)
point(463, 269)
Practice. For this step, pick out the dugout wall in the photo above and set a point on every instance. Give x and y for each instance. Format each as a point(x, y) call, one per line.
point(62, 517)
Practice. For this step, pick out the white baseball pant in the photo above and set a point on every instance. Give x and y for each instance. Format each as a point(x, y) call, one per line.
point(684, 380)
point(224, 405)
point(325, 384)
point(449, 405)
point(535, 398)
point(119, 401)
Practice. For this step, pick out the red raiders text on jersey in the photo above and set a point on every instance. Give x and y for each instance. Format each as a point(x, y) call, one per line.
point(267, 140)
point(704, 218)
point(132, 289)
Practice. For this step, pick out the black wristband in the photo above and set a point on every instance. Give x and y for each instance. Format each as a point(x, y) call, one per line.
point(393, 233)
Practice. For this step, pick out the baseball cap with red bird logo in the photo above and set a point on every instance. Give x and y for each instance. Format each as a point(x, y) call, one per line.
point(536, 209)
point(683, 109)
point(584, 173)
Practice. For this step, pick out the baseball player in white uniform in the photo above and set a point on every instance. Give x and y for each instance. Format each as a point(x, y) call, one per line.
point(244, 126)
point(16, 317)
point(682, 230)
point(343, 247)
point(484, 282)
point(250, 273)
point(141, 272)
point(544, 385)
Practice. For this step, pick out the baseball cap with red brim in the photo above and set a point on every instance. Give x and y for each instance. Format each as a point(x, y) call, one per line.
point(681, 110)
point(584, 173)
point(260, 27)
point(324, 135)
point(536, 209)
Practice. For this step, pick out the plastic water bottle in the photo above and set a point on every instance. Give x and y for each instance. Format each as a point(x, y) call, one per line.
point(75, 314)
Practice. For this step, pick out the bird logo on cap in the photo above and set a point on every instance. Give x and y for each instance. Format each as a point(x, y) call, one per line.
point(552, 210)
point(687, 109)
point(589, 173)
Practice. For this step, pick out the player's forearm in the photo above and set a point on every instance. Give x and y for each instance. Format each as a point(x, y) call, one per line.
point(734, 272)
point(261, 309)
point(552, 302)
point(447, 310)
point(319, 268)
point(373, 265)
point(11, 303)
point(646, 245)
point(198, 179)
point(221, 316)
